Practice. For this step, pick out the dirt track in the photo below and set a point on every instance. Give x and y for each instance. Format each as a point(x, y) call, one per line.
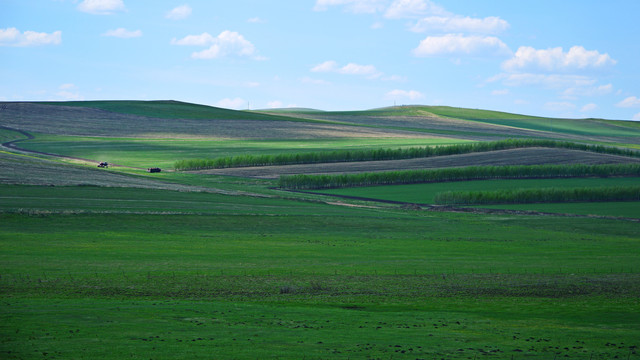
point(527, 156)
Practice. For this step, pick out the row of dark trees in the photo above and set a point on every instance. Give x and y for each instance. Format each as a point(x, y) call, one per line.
point(389, 154)
point(306, 182)
point(543, 195)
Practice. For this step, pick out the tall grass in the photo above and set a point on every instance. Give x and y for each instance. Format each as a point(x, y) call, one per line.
point(389, 154)
point(544, 195)
point(304, 182)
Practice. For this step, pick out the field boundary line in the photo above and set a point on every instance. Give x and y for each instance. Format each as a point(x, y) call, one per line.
point(458, 209)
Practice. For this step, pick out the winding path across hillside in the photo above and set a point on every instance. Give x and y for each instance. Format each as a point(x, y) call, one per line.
point(13, 145)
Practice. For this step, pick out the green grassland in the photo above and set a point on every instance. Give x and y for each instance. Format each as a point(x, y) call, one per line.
point(425, 193)
point(165, 152)
point(118, 263)
point(316, 285)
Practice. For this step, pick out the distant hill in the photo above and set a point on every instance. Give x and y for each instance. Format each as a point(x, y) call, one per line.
point(581, 127)
point(168, 118)
point(169, 109)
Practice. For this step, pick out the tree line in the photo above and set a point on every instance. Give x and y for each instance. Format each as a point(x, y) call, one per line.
point(543, 195)
point(307, 182)
point(388, 154)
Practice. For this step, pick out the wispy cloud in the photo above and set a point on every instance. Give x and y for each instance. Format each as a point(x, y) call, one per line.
point(123, 33)
point(179, 13)
point(457, 44)
point(101, 7)
point(13, 37)
point(589, 107)
point(355, 6)
point(457, 24)
point(402, 9)
point(331, 66)
point(406, 94)
point(555, 81)
point(631, 101)
point(235, 103)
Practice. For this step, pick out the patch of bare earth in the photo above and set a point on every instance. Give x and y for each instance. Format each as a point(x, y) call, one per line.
point(527, 156)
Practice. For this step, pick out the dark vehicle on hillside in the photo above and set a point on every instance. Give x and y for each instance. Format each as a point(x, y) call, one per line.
point(153, 170)
point(103, 164)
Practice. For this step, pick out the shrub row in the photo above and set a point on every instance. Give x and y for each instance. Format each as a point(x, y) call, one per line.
point(305, 182)
point(544, 195)
point(388, 154)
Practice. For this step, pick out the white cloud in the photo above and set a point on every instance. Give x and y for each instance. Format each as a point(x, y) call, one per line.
point(327, 66)
point(589, 107)
point(588, 91)
point(123, 33)
point(203, 39)
point(400, 9)
point(308, 80)
point(559, 106)
point(227, 43)
point(500, 92)
point(101, 7)
point(555, 59)
point(450, 24)
point(236, 103)
point(356, 69)
point(179, 13)
point(636, 117)
point(13, 37)
point(409, 94)
point(550, 81)
point(66, 92)
point(256, 20)
point(355, 6)
point(457, 44)
point(349, 69)
point(397, 78)
point(631, 101)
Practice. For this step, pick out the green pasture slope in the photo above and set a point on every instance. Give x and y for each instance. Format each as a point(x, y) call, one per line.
point(567, 126)
point(165, 152)
point(306, 280)
point(229, 268)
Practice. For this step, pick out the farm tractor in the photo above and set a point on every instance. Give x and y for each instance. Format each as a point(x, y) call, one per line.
point(103, 164)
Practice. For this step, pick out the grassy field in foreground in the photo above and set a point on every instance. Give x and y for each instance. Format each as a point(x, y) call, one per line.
point(165, 152)
point(361, 283)
point(445, 329)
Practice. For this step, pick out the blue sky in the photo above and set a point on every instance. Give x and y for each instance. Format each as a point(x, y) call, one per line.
point(570, 58)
